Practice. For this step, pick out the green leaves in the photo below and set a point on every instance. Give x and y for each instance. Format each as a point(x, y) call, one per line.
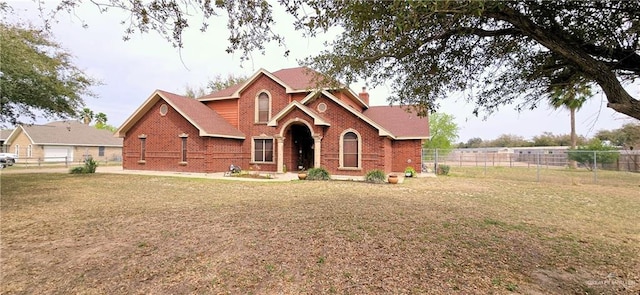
point(495, 52)
point(594, 153)
point(37, 77)
point(443, 131)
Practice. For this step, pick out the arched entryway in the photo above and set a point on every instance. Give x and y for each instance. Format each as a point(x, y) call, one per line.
point(301, 147)
point(298, 146)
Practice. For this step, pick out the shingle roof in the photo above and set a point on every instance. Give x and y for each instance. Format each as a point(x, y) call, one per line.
point(70, 133)
point(300, 78)
point(295, 79)
point(4, 134)
point(208, 121)
point(399, 122)
point(224, 92)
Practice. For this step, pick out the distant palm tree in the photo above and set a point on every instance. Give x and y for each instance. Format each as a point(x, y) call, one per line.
point(86, 115)
point(101, 118)
point(571, 97)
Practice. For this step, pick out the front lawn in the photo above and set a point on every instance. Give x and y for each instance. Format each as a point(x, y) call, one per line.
point(467, 234)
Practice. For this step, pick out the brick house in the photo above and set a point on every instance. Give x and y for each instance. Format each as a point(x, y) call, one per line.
point(62, 141)
point(274, 122)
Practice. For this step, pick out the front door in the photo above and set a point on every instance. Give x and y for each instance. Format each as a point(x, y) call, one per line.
point(302, 146)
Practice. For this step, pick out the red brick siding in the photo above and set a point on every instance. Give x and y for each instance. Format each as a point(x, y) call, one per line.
point(298, 96)
point(222, 152)
point(163, 145)
point(207, 154)
point(341, 120)
point(290, 153)
point(388, 155)
point(246, 109)
point(407, 153)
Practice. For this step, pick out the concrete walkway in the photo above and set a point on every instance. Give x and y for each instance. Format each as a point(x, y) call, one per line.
point(289, 176)
point(216, 175)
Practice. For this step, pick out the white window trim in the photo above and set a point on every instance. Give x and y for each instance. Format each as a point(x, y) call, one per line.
point(341, 153)
point(253, 149)
point(256, 109)
point(143, 148)
point(29, 151)
point(184, 148)
point(16, 150)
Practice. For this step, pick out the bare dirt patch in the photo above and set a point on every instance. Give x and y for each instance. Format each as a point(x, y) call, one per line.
point(474, 235)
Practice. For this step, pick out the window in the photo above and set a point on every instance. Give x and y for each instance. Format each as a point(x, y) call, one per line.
point(263, 108)
point(16, 150)
point(143, 148)
point(100, 151)
point(350, 150)
point(164, 109)
point(322, 107)
point(29, 151)
point(263, 150)
point(184, 149)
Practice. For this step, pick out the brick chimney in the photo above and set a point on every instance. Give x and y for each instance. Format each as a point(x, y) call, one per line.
point(364, 96)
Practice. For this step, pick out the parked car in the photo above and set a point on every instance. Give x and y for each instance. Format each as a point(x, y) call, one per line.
point(7, 159)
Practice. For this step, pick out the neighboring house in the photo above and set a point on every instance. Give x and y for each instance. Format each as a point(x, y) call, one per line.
point(69, 141)
point(3, 137)
point(273, 122)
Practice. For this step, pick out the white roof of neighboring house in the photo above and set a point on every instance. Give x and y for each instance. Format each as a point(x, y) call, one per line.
point(4, 134)
point(71, 133)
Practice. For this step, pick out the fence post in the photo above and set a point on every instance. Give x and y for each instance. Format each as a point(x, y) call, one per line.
point(595, 167)
point(435, 161)
point(485, 162)
point(538, 167)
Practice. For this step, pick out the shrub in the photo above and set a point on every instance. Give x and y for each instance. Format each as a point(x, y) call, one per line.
point(317, 174)
point(77, 170)
point(375, 176)
point(604, 154)
point(90, 166)
point(443, 169)
point(410, 170)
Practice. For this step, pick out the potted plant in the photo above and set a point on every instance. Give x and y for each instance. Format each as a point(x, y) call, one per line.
point(393, 179)
point(302, 175)
point(409, 172)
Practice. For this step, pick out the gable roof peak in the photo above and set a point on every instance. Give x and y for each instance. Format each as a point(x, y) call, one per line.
point(206, 120)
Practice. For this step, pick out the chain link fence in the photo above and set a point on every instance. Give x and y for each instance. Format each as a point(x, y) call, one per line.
point(537, 163)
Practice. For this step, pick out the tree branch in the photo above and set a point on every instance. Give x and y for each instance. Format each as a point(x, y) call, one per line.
point(623, 59)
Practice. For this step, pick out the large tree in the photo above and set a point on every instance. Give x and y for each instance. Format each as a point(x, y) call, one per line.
point(443, 130)
point(572, 97)
point(626, 136)
point(37, 77)
point(86, 116)
point(217, 83)
point(498, 52)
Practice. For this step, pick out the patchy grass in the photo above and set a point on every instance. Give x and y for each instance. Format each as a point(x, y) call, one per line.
point(466, 233)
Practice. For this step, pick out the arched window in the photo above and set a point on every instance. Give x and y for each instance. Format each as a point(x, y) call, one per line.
point(263, 108)
point(350, 150)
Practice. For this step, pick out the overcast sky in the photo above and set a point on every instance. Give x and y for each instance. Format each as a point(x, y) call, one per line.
point(131, 70)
